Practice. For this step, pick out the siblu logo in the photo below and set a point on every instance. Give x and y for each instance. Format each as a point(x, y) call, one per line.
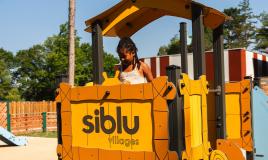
point(100, 120)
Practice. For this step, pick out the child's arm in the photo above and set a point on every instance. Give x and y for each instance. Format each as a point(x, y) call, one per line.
point(147, 72)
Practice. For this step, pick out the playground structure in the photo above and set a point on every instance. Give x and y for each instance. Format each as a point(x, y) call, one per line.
point(145, 103)
point(158, 120)
point(10, 139)
point(260, 106)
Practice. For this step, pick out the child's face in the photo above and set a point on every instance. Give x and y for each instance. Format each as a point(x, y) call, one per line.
point(126, 56)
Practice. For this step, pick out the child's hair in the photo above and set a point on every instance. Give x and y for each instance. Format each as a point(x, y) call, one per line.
point(128, 44)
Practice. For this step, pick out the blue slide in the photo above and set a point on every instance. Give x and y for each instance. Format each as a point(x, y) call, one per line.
point(260, 120)
point(10, 139)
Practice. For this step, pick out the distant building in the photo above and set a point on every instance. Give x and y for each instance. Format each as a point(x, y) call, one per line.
point(238, 63)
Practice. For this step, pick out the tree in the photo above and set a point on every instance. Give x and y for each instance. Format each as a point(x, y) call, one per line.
point(230, 28)
point(31, 75)
point(240, 32)
point(5, 80)
point(208, 38)
point(172, 48)
point(7, 57)
point(6, 67)
point(174, 45)
point(162, 51)
point(84, 66)
point(38, 66)
point(262, 33)
point(248, 27)
point(56, 50)
point(13, 95)
point(109, 63)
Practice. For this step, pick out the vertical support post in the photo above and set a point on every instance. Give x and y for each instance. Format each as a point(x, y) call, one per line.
point(97, 54)
point(183, 44)
point(198, 41)
point(219, 81)
point(250, 155)
point(59, 127)
point(44, 116)
point(8, 117)
point(176, 122)
point(71, 49)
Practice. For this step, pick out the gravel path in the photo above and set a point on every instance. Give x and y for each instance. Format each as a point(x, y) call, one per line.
point(37, 149)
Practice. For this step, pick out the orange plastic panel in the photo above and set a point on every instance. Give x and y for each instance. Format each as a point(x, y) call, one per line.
point(238, 115)
point(160, 125)
point(78, 101)
point(243, 131)
point(231, 149)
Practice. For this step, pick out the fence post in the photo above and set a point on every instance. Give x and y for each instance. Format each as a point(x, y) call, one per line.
point(44, 115)
point(8, 117)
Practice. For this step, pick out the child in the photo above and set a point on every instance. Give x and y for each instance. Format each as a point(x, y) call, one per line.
point(133, 71)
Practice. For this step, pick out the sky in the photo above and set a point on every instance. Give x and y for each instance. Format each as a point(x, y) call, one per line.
point(25, 23)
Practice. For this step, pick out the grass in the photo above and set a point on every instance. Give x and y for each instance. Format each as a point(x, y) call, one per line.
point(50, 134)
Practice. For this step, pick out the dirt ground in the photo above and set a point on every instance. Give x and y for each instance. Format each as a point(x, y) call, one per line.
point(37, 149)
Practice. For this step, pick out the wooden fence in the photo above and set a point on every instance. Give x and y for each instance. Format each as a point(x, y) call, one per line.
point(3, 114)
point(21, 117)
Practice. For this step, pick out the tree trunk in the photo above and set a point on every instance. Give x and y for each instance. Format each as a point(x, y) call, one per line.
point(71, 50)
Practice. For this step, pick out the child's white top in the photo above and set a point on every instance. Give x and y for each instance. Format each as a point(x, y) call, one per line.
point(132, 77)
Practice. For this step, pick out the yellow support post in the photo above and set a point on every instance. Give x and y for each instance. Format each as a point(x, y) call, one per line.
point(194, 94)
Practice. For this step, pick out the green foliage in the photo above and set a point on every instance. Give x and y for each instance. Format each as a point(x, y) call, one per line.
point(6, 66)
point(262, 33)
point(162, 51)
point(5, 80)
point(84, 66)
point(208, 36)
point(7, 57)
point(38, 67)
point(230, 27)
point(174, 45)
point(172, 48)
point(13, 95)
point(109, 62)
point(240, 32)
point(31, 75)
